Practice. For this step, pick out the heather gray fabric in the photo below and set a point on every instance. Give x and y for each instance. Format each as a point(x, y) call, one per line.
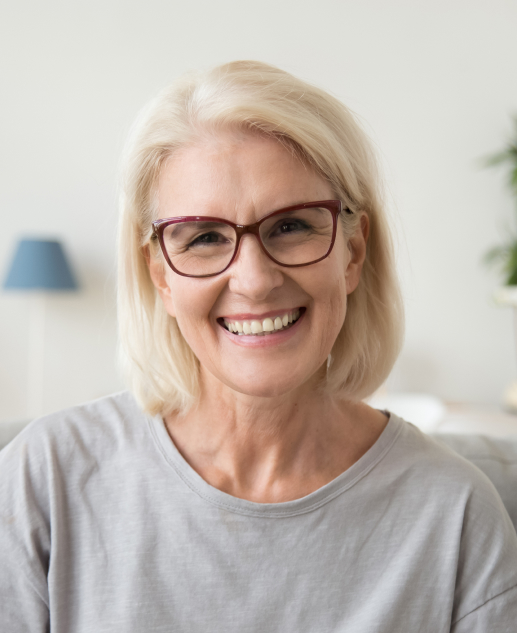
point(105, 528)
point(496, 457)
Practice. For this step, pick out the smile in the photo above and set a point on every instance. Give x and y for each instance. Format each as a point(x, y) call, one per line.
point(270, 325)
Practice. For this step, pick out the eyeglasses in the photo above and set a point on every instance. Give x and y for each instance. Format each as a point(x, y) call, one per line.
point(204, 246)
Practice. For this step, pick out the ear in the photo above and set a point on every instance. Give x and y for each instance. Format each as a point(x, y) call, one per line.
point(357, 247)
point(158, 274)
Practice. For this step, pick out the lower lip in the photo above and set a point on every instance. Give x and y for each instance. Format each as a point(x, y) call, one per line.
point(264, 341)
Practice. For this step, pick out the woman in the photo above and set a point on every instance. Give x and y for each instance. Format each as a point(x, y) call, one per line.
point(248, 488)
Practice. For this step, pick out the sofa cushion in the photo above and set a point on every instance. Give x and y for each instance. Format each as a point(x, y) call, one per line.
point(8, 430)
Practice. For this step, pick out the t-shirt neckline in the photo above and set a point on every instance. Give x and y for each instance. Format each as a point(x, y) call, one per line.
point(303, 505)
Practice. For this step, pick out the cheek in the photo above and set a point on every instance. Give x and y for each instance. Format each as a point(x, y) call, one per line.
point(331, 303)
point(339, 280)
point(331, 283)
point(337, 306)
point(191, 302)
point(325, 284)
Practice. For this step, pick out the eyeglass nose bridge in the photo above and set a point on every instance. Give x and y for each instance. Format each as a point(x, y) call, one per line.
point(252, 229)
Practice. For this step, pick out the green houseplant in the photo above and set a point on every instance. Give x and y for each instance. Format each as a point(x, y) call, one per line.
point(505, 255)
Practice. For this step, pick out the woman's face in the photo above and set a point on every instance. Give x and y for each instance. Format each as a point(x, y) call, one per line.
point(242, 177)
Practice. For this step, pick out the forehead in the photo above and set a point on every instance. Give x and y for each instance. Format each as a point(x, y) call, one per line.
point(236, 175)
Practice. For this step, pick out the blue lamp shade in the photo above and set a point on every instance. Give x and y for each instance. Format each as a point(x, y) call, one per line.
point(40, 265)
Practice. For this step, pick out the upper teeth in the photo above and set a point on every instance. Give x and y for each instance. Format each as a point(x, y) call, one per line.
point(270, 324)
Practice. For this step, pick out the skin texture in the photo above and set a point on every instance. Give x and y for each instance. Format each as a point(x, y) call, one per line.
point(262, 431)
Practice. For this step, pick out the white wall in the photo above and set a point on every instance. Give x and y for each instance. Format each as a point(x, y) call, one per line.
point(434, 82)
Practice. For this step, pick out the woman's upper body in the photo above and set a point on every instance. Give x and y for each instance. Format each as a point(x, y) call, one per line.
point(258, 306)
point(105, 527)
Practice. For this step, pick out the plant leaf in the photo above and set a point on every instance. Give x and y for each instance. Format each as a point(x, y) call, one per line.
point(497, 159)
point(505, 256)
point(512, 279)
point(510, 266)
point(495, 254)
point(513, 178)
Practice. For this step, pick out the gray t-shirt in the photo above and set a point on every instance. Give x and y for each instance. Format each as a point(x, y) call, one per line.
point(105, 528)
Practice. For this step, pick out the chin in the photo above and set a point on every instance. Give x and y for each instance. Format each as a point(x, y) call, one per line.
point(272, 385)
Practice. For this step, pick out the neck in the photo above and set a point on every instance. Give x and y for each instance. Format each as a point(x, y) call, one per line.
point(272, 449)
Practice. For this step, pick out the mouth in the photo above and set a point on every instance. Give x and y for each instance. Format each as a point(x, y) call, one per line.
point(264, 327)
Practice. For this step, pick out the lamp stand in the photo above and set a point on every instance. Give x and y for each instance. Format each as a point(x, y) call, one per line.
point(36, 355)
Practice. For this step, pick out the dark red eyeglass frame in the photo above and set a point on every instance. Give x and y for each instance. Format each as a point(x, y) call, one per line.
point(334, 206)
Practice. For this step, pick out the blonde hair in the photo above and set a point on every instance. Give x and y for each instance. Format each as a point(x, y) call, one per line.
point(160, 367)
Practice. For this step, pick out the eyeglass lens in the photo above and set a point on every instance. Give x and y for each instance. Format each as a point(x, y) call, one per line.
point(293, 238)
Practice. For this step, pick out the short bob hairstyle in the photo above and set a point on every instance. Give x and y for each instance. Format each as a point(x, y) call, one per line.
point(161, 369)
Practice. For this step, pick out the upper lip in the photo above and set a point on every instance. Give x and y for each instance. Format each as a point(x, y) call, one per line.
point(248, 316)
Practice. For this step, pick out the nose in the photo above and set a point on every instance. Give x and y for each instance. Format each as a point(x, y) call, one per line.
point(252, 273)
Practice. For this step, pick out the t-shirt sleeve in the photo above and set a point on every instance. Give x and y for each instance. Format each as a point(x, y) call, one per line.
point(24, 538)
point(498, 615)
point(486, 582)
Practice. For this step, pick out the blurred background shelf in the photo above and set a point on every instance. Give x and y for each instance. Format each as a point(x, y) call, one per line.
point(477, 419)
point(433, 415)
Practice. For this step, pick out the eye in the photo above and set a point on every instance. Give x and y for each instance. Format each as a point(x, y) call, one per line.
point(208, 238)
point(287, 226)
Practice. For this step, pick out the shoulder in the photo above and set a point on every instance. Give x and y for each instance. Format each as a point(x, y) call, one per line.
point(431, 460)
point(49, 463)
point(438, 481)
point(109, 413)
point(78, 434)
point(44, 472)
point(450, 490)
point(495, 457)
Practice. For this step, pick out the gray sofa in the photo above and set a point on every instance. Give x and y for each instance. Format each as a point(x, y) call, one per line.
point(496, 457)
point(9, 429)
